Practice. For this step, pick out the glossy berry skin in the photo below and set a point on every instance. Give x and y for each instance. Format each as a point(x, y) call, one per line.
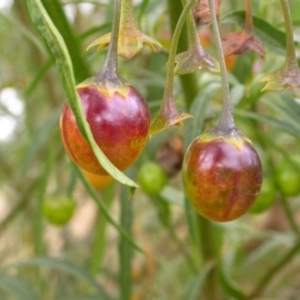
point(220, 180)
point(120, 127)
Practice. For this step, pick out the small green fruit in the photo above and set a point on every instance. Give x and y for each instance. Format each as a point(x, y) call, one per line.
point(265, 198)
point(58, 210)
point(288, 176)
point(152, 178)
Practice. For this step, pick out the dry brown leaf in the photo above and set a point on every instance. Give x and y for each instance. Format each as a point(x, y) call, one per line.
point(202, 13)
point(236, 43)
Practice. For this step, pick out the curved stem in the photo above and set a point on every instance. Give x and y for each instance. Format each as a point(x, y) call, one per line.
point(290, 60)
point(227, 121)
point(249, 20)
point(110, 67)
point(192, 30)
point(189, 82)
point(168, 92)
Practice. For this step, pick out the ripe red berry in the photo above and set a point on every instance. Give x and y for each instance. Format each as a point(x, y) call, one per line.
point(120, 126)
point(222, 177)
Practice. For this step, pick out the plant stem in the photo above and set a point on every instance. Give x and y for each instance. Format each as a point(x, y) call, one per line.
point(227, 121)
point(110, 66)
point(249, 20)
point(168, 92)
point(188, 82)
point(192, 30)
point(127, 13)
point(290, 60)
point(274, 271)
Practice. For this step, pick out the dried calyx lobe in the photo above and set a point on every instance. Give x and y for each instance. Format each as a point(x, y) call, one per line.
point(120, 126)
point(222, 174)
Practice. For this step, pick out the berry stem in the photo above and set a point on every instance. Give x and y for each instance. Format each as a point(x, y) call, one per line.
point(227, 121)
point(168, 92)
point(127, 15)
point(110, 67)
point(192, 30)
point(249, 20)
point(290, 60)
point(189, 82)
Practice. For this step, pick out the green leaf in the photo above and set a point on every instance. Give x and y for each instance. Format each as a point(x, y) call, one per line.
point(283, 125)
point(260, 253)
point(58, 48)
point(195, 287)
point(55, 11)
point(28, 34)
point(286, 107)
point(40, 139)
point(231, 287)
point(79, 297)
point(17, 287)
point(125, 249)
point(270, 36)
point(99, 242)
point(63, 266)
point(104, 210)
point(194, 126)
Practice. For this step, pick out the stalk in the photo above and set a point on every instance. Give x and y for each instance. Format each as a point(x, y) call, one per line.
point(227, 121)
point(168, 92)
point(290, 60)
point(249, 20)
point(188, 82)
point(109, 71)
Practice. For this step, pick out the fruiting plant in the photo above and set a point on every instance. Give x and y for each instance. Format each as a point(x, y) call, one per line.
point(106, 126)
point(152, 178)
point(58, 209)
point(222, 173)
point(118, 116)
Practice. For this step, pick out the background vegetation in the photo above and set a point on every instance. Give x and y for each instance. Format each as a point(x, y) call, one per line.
point(183, 257)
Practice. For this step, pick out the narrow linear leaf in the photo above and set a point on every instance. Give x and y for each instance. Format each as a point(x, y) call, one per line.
point(58, 48)
point(79, 297)
point(99, 243)
point(286, 112)
point(39, 76)
point(40, 139)
point(271, 121)
point(194, 126)
point(17, 287)
point(104, 210)
point(230, 286)
point(66, 267)
point(56, 13)
point(125, 249)
point(29, 35)
point(270, 36)
point(195, 288)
